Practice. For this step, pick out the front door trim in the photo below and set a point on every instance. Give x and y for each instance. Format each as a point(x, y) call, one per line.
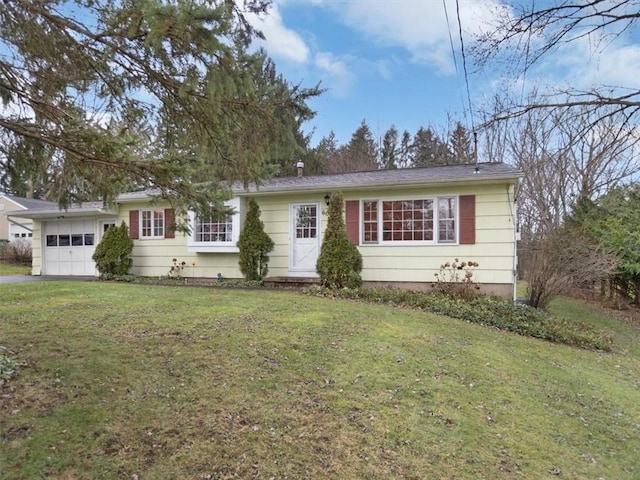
point(304, 238)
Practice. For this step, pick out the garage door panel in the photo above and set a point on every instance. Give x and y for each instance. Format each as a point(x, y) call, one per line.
point(69, 246)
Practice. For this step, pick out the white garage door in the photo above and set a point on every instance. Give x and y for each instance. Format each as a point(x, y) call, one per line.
point(68, 247)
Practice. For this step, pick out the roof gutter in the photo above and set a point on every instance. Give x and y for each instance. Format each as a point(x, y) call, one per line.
point(268, 190)
point(60, 214)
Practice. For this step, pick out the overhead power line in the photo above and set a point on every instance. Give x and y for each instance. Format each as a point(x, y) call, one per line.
point(464, 65)
point(453, 54)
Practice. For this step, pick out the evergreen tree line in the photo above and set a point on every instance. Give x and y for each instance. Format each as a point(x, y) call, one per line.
point(24, 167)
point(426, 148)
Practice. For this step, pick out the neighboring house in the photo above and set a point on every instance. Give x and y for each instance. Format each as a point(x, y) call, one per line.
point(17, 227)
point(406, 223)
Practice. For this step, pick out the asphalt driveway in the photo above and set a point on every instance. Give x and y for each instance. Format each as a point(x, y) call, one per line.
point(39, 278)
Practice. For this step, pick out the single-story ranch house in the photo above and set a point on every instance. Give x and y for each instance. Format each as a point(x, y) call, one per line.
point(406, 223)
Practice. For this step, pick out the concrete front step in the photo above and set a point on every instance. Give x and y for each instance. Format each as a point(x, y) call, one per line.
point(290, 282)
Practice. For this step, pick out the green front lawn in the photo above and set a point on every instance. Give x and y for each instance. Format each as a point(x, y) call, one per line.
point(7, 269)
point(121, 380)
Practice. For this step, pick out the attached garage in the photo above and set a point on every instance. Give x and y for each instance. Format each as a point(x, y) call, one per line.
point(64, 240)
point(68, 247)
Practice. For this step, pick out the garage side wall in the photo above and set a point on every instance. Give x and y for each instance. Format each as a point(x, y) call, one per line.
point(36, 248)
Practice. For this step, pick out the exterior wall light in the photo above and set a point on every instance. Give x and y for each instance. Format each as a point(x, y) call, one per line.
point(327, 199)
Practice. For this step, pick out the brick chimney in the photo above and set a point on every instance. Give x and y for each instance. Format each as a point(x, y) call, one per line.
point(300, 166)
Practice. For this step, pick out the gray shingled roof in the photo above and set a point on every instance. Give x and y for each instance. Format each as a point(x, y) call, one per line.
point(408, 177)
point(449, 174)
point(31, 203)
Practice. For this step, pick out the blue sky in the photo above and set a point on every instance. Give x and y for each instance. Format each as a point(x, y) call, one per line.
point(391, 61)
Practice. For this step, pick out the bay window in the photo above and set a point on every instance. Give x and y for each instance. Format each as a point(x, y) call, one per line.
point(215, 227)
point(217, 231)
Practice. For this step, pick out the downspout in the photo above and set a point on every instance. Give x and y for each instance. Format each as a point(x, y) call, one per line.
point(513, 218)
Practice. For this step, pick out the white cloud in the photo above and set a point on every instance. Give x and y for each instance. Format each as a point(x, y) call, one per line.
point(280, 41)
point(419, 27)
point(616, 65)
point(584, 64)
point(339, 77)
point(102, 119)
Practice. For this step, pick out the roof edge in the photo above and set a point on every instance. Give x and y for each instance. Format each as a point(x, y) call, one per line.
point(498, 179)
point(59, 214)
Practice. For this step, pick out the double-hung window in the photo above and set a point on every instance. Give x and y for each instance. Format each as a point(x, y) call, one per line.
point(416, 220)
point(447, 219)
point(152, 223)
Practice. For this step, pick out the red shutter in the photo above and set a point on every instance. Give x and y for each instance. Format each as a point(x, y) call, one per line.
point(169, 223)
point(352, 220)
point(134, 224)
point(467, 219)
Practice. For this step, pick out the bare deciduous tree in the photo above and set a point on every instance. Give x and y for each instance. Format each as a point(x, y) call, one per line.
point(524, 33)
point(563, 260)
point(563, 156)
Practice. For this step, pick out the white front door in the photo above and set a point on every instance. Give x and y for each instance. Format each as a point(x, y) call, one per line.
point(305, 239)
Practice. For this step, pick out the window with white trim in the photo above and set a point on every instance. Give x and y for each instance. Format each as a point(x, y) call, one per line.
point(152, 223)
point(370, 221)
point(216, 231)
point(447, 219)
point(217, 227)
point(419, 220)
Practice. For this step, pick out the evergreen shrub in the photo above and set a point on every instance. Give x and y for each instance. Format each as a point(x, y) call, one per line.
point(340, 263)
point(113, 253)
point(254, 244)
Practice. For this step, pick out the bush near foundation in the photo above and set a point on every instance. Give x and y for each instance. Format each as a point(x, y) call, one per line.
point(340, 263)
point(113, 253)
point(254, 244)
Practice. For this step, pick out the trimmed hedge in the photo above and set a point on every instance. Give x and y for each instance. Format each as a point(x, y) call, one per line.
point(340, 263)
point(113, 253)
point(254, 244)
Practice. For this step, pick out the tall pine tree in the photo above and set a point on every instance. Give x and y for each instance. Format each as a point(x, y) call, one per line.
point(389, 156)
point(460, 146)
point(147, 93)
point(429, 149)
point(360, 154)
